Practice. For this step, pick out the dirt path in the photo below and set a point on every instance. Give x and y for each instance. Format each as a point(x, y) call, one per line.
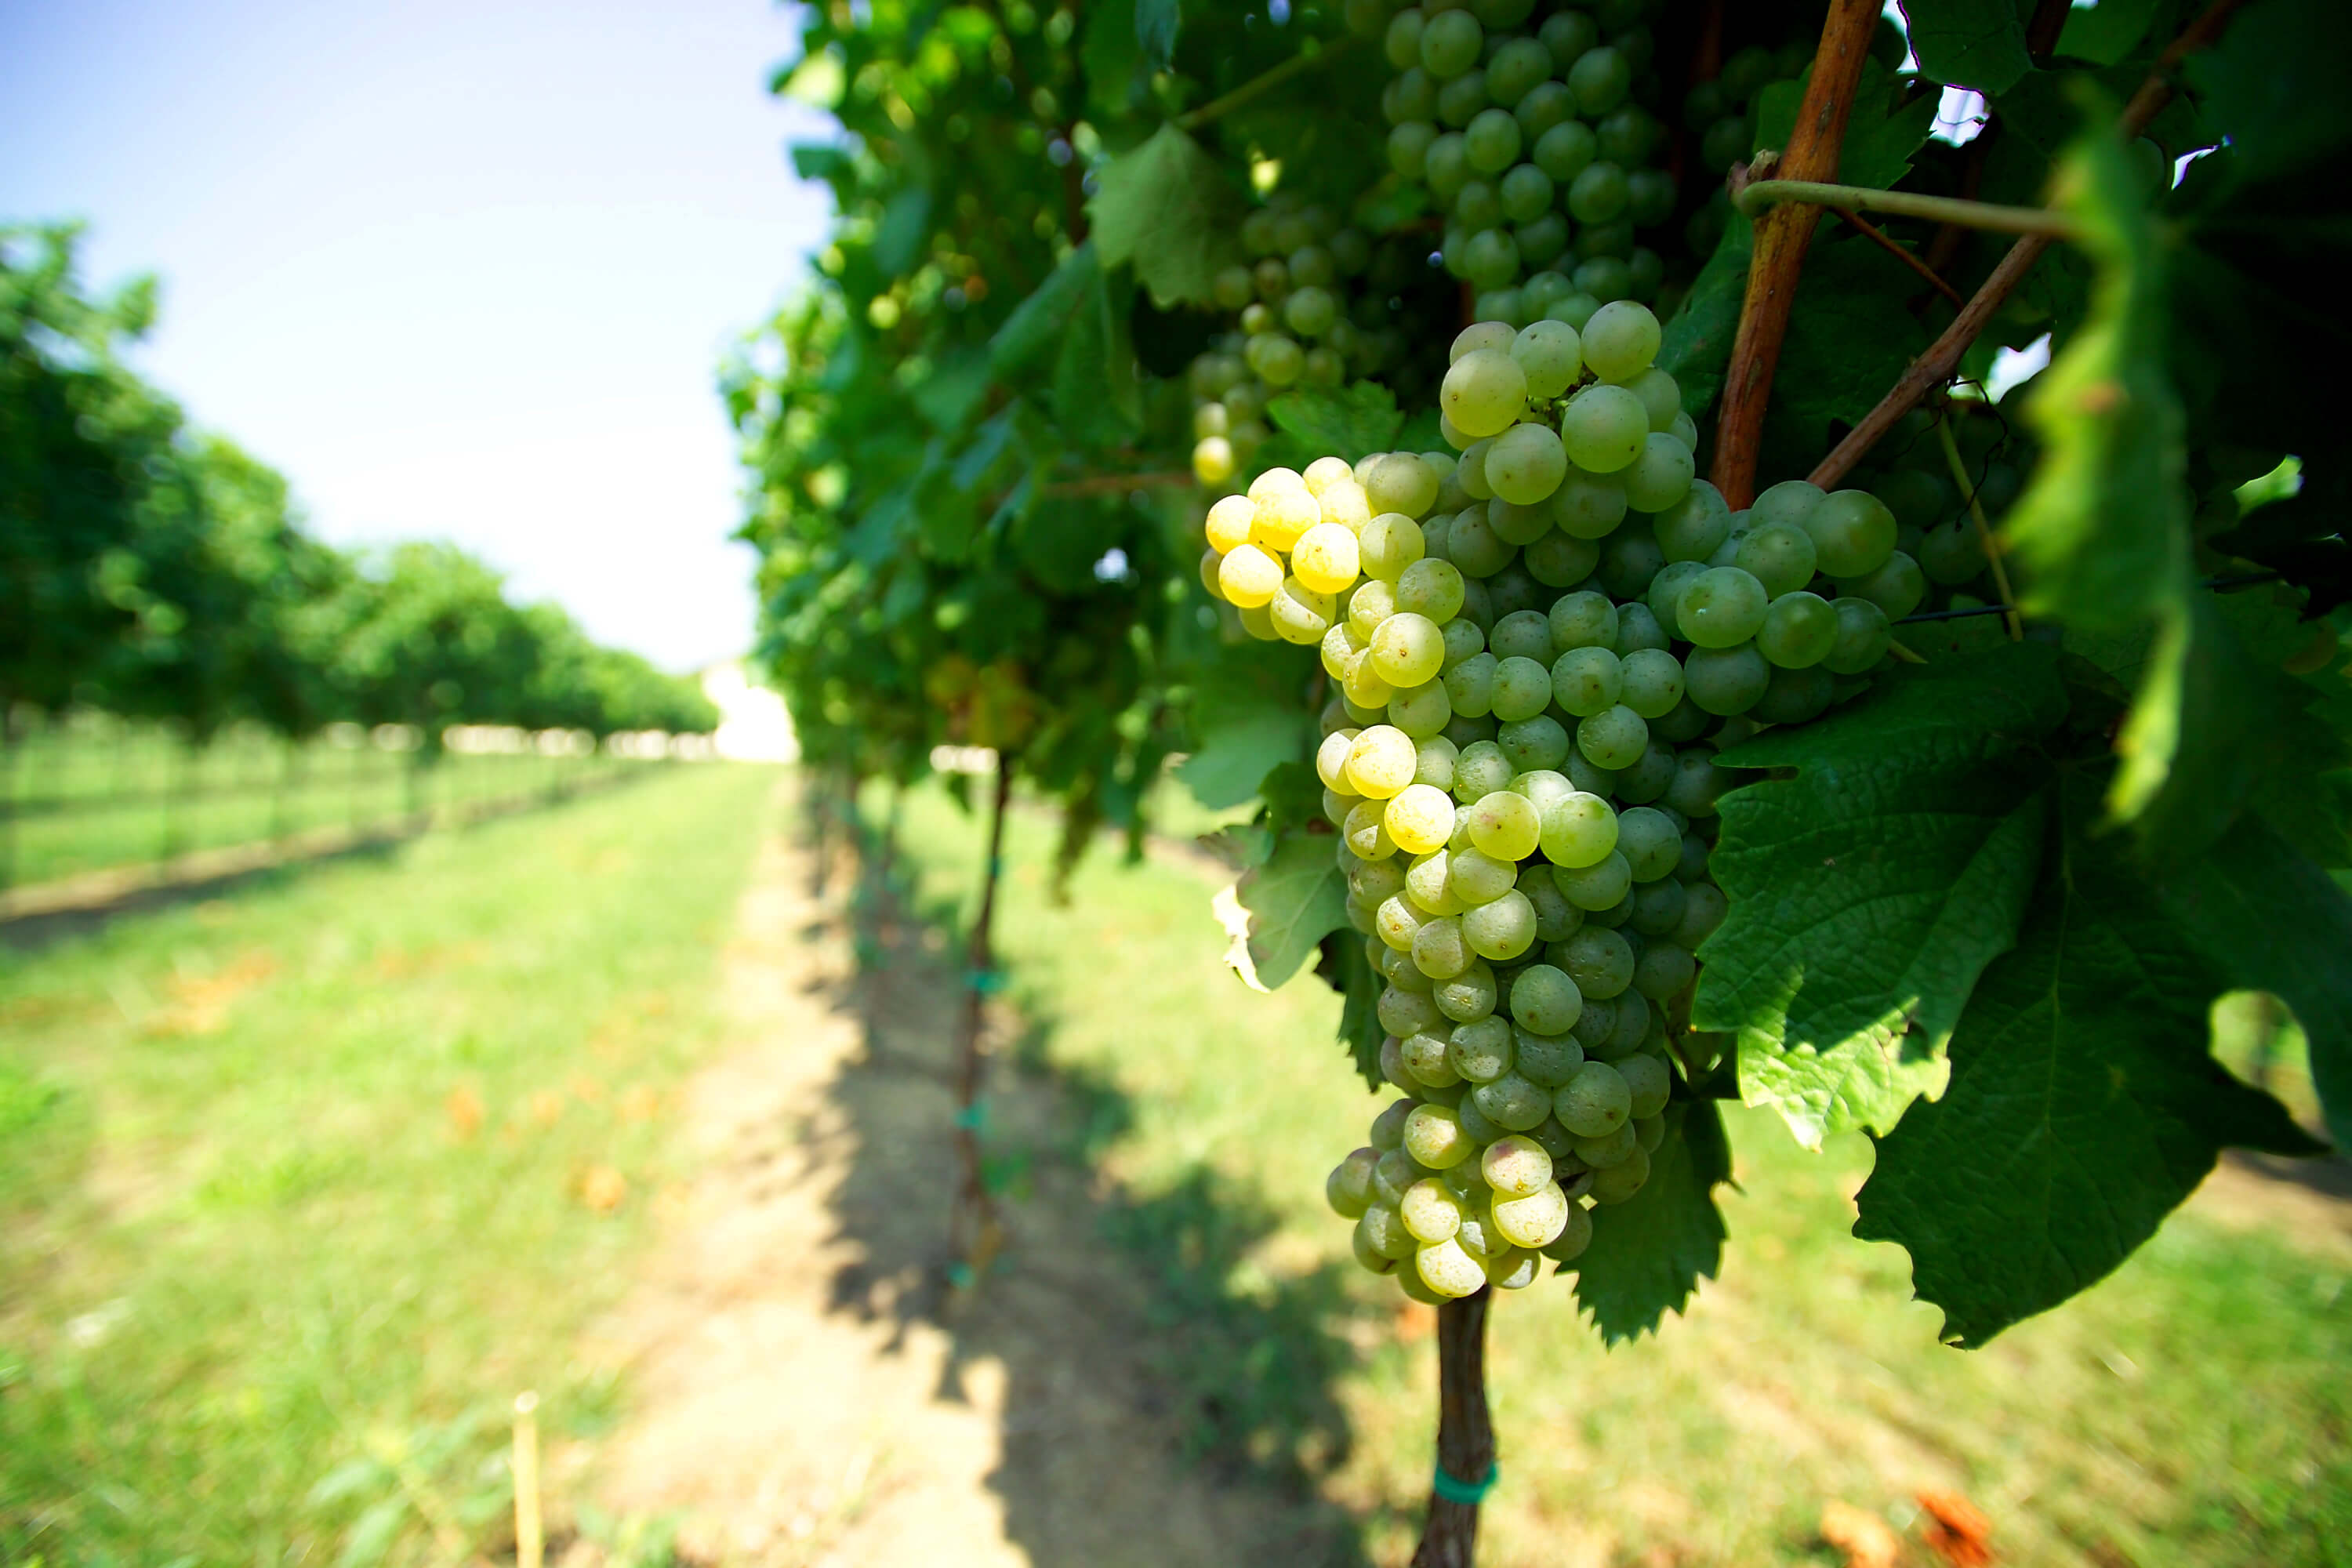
point(803, 1391)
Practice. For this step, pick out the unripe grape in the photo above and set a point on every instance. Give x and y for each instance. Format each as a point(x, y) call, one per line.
point(1400, 483)
point(1799, 630)
point(1249, 577)
point(1343, 502)
point(1522, 689)
point(1533, 1221)
point(1614, 738)
point(1478, 878)
point(1595, 1102)
point(1620, 1182)
point(1349, 1189)
point(1430, 1211)
point(1433, 589)
point(1282, 517)
point(1401, 44)
point(1550, 355)
point(1695, 527)
point(1620, 340)
point(1444, 1268)
point(1545, 1000)
point(1511, 1103)
point(1420, 817)
point(1726, 680)
point(1721, 607)
point(1661, 477)
point(1897, 587)
point(1780, 555)
point(1484, 392)
point(1604, 427)
point(1600, 885)
point(1599, 77)
point(1325, 558)
point(1480, 771)
point(1380, 763)
point(1578, 831)
point(1500, 930)
point(1524, 194)
point(1408, 650)
point(1433, 1136)
point(1449, 44)
point(1791, 501)
point(1300, 613)
point(1492, 139)
point(1864, 637)
point(1368, 603)
point(1524, 466)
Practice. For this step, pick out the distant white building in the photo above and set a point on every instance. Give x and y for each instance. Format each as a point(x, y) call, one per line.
point(753, 726)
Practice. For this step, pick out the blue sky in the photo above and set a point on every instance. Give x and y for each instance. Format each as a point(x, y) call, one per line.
point(459, 270)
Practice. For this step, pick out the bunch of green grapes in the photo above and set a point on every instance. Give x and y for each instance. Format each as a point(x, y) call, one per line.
point(1539, 645)
point(1532, 137)
point(1311, 307)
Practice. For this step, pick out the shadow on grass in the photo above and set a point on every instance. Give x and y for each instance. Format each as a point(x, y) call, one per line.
point(1167, 1396)
point(100, 898)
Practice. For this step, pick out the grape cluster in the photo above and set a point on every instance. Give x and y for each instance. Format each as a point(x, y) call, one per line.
point(1533, 141)
point(1310, 308)
point(1540, 646)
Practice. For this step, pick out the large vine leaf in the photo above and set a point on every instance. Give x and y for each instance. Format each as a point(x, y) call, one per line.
point(1349, 973)
point(1871, 886)
point(1969, 43)
point(1166, 206)
point(1294, 899)
point(1649, 1253)
point(2274, 922)
point(1851, 337)
point(1039, 320)
point(2084, 1105)
point(1351, 422)
point(1698, 336)
point(1238, 744)
point(1886, 126)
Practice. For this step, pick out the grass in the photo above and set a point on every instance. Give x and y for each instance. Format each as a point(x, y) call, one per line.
point(91, 791)
point(2190, 1409)
point(297, 1189)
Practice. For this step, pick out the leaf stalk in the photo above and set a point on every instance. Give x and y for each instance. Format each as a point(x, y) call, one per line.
point(1761, 194)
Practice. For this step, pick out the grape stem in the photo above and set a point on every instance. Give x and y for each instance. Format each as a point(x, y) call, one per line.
point(1967, 484)
point(1782, 234)
point(1759, 195)
point(1466, 1429)
point(1936, 367)
point(1265, 81)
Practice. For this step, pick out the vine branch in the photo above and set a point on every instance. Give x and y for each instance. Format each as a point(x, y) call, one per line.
point(1782, 236)
point(1878, 236)
point(1934, 368)
point(1465, 1430)
point(1265, 81)
point(1761, 194)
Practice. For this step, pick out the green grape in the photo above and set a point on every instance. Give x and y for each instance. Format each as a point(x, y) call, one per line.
point(1434, 590)
point(1726, 680)
point(1637, 628)
point(1533, 743)
point(1620, 343)
point(1500, 930)
point(1400, 483)
point(1652, 683)
point(1596, 1101)
point(1651, 843)
point(1324, 368)
point(1951, 553)
point(1918, 499)
point(1547, 1061)
point(1421, 711)
point(1522, 634)
point(1598, 193)
point(1524, 193)
point(1450, 42)
point(1445, 167)
point(1349, 1188)
point(1382, 1239)
point(1481, 1050)
point(1601, 78)
point(1432, 1135)
point(1687, 721)
point(1652, 196)
point(1470, 690)
point(1791, 501)
point(1599, 886)
point(1459, 101)
point(1695, 527)
point(1647, 779)
point(1628, 136)
point(1587, 680)
point(1799, 630)
point(1480, 771)
point(1544, 1000)
point(1630, 561)
point(1613, 242)
point(1575, 308)
point(1575, 1236)
point(1549, 355)
point(1430, 1211)
point(1524, 466)
point(1505, 825)
point(1864, 637)
point(1604, 427)
point(1522, 689)
point(1468, 731)
point(1568, 35)
point(1704, 910)
point(1390, 543)
point(1443, 1267)
point(1614, 738)
point(1698, 785)
point(1564, 152)
point(1660, 974)
point(1794, 696)
point(1484, 389)
point(1661, 394)
point(1897, 587)
point(1515, 1166)
point(1610, 1150)
point(1661, 477)
point(1664, 598)
point(1310, 312)
point(1470, 473)
point(1370, 603)
point(1588, 505)
point(1468, 996)
point(1502, 16)
point(1511, 1103)
point(1546, 104)
point(1232, 288)
point(1560, 560)
point(1478, 205)
point(1541, 242)
point(1605, 278)
point(1584, 619)
point(1778, 555)
point(1482, 335)
point(1657, 909)
point(1311, 267)
point(1401, 43)
point(1388, 1128)
point(1555, 916)
point(1535, 1221)
point(1380, 763)
point(1491, 259)
point(1852, 533)
point(1406, 1013)
point(1479, 879)
point(1423, 1053)
point(1580, 831)
point(1492, 140)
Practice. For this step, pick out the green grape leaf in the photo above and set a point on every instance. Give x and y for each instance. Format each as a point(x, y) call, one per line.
point(1345, 969)
point(1097, 397)
point(2106, 34)
point(1157, 23)
point(1885, 128)
point(1969, 43)
point(1871, 887)
point(1350, 422)
point(1039, 320)
point(1851, 337)
point(1166, 207)
point(904, 235)
point(1294, 899)
point(953, 389)
point(1649, 1253)
point(1238, 745)
point(2103, 528)
point(2274, 922)
point(2084, 1105)
point(1113, 61)
point(1697, 343)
